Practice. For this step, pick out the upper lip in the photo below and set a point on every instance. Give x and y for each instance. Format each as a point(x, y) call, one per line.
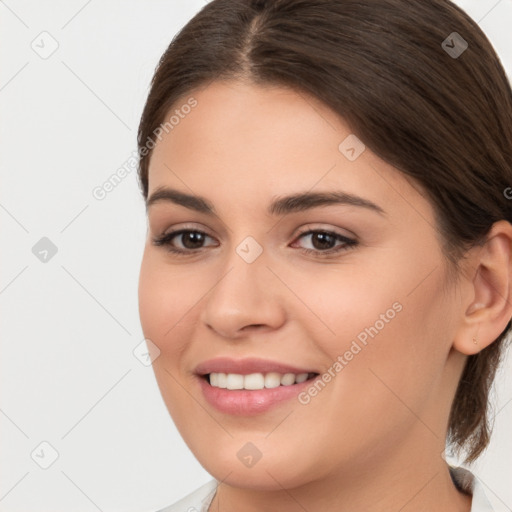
point(246, 366)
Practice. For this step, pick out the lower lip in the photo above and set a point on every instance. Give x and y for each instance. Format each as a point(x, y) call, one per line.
point(243, 402)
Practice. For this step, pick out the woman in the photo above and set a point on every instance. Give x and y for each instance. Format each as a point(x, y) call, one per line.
point(327, 272)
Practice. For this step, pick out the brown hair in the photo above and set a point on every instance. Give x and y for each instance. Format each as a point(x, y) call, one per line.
point(444, 120)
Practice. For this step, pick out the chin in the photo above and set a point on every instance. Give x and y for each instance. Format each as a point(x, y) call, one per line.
point(239, 464)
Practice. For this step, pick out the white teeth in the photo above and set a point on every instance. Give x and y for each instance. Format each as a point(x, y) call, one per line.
point(222, 380)
point(214, 379)
point(272, 380)
point(255, 381)
point(288, 379)
point(235, 381)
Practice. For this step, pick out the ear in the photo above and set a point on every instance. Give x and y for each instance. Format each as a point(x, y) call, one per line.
point(487, 299)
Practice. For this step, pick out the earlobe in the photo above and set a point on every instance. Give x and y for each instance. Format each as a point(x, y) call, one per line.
point(490, 309)
point(471, 342)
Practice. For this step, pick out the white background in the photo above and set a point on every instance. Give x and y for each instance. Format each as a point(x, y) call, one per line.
point(69, 326)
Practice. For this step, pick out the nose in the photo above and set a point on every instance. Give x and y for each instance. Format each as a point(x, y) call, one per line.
point(245, 297)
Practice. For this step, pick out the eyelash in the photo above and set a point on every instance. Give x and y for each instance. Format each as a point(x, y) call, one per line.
point(348, 243)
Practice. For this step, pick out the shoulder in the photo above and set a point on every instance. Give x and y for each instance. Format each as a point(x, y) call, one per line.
point(197, 501)
point(470, 484)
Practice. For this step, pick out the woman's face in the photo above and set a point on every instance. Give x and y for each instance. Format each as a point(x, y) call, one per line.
point(345, 280)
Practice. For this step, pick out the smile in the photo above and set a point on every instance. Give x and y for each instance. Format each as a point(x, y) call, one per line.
point(255, 381)
point(250, 386)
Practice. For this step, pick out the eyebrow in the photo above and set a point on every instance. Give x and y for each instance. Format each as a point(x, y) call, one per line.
point(281, 206)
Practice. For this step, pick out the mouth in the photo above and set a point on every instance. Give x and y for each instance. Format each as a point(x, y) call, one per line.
point(256, 381)
point(250, 386)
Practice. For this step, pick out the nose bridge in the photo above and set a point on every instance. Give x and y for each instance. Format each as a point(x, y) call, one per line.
point(245, 264)
point(245, 293)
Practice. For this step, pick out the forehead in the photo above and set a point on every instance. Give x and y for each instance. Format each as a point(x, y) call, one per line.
point(235, 119)
point(267, 140)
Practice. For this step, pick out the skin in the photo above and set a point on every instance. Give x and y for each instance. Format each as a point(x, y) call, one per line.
point(373, 438)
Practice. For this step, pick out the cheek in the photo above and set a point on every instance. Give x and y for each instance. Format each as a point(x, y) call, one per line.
point(163, 306)
point(166, 309)
point(389, 383)
point(390, 338)
point(343, 303)
point(153, 294)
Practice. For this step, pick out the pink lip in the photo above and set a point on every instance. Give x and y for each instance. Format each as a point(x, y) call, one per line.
point(243, 402)
point(247, 366)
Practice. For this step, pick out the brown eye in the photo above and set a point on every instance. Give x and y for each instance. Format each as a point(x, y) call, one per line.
point(324, 242)
point(189, 240)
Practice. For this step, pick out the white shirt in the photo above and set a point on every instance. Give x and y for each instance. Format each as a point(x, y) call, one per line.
point(200, 499)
